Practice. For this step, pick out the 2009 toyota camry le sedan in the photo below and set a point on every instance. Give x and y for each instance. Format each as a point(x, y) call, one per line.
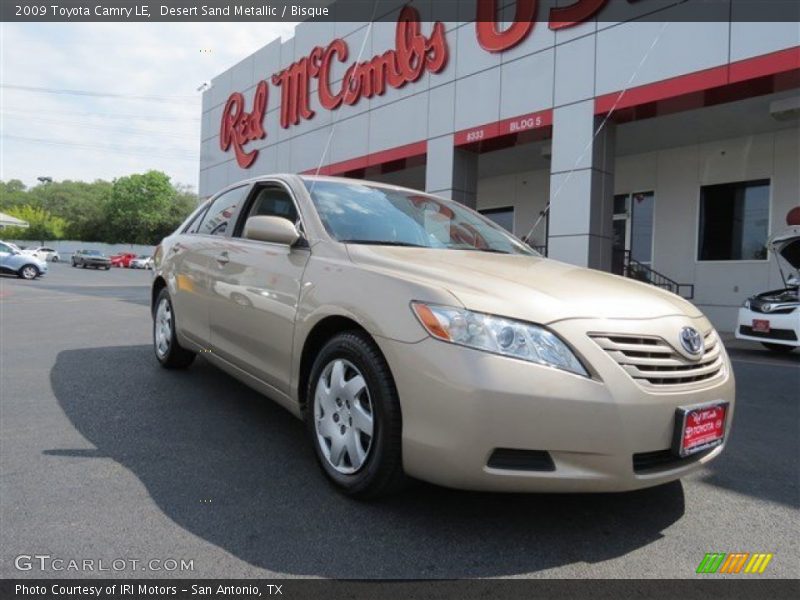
point(418, 339)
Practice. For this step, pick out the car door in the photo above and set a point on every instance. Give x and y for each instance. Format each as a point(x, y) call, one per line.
point(6, 252)
point(255, 291)
point(189, 257)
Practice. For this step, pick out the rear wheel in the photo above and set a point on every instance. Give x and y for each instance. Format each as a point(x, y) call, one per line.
point(779, 348)
point(55, 259)
point(169, 352)
point(28, 272)
point(353, 417)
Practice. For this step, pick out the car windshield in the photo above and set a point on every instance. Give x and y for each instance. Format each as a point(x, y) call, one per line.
point(359, 213)
point(93, 253)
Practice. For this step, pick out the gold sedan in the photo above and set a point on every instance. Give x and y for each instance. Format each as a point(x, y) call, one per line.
point(417, 338)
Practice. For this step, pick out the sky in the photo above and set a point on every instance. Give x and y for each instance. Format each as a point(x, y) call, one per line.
point(147, 115)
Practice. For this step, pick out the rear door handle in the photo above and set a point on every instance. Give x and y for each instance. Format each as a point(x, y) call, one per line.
point(223, 259)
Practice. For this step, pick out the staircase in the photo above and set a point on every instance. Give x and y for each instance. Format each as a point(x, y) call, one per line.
point(624, 264)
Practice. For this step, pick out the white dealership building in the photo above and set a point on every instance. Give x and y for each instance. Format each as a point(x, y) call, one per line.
point(666, 148)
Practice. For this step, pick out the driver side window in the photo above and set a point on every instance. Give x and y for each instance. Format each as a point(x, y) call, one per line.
point(271, 201)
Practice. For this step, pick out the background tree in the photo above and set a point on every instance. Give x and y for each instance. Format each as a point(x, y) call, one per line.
point(139, 208)
point(41, 224)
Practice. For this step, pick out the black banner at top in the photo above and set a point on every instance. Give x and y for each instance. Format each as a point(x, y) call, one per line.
point(605, 11)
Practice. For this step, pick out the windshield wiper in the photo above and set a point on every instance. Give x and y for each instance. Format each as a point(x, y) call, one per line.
point(474, 249)
point(383, 243)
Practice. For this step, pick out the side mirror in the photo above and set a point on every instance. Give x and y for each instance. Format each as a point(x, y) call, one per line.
point(276, 230)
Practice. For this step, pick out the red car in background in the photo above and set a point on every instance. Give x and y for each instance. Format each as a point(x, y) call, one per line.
point(122, 260)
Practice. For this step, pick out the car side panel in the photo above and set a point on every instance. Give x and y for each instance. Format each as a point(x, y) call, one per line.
point(253, 306)
point(185, 270)
point(379, 303)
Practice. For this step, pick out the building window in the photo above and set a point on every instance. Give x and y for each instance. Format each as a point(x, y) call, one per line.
point(734, 221)
point(502, 216)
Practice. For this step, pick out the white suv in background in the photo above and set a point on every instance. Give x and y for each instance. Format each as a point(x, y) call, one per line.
point(773, 318)
point(43, 253)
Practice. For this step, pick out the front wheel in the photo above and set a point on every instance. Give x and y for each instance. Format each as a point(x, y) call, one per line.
point(28, 272)
point(169, 352)
point(353, 417)
point(779, 348)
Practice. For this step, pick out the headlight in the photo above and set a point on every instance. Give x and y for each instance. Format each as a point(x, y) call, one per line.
point(746, 304)
point(497, 335)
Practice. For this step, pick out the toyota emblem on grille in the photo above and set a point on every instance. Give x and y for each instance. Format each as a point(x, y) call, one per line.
point(691, 340)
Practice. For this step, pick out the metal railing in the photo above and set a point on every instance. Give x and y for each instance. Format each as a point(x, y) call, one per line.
point(624, 264)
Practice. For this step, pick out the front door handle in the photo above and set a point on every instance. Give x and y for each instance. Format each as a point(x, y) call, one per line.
point(223, 259)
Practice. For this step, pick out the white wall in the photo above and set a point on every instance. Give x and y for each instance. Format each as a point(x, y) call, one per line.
point(676, 175)
point(526, 191)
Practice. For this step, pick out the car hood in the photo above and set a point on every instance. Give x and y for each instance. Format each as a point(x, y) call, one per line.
point(786, 246)
point(524, 287)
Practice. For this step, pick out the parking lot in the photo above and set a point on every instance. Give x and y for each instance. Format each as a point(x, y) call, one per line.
point(104, 455)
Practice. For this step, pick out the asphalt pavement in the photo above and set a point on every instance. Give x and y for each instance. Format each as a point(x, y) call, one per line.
point(106, 456)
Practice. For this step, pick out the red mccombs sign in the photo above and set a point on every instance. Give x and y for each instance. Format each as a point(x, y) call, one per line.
point(414, 54)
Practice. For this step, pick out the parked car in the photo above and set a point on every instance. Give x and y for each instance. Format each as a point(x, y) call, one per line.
point(123, 259)
point(773, 318)
point(43, 253)
point(91, 258)
point(417, 338)
point(25, 266)
point(142, 262)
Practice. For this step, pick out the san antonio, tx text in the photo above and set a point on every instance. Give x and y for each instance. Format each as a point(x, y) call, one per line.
point(130, 589)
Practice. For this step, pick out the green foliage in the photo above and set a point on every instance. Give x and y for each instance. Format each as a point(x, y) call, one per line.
point(42, 224)
point(140, 208)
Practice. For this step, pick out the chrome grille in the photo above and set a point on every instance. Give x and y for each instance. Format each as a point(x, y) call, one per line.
point(651, 361)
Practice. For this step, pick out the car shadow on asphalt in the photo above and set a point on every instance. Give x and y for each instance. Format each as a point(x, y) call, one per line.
point(237, 470)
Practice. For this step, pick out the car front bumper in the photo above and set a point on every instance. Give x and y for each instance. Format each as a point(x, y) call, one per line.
point(784, 328)
point(461, 405)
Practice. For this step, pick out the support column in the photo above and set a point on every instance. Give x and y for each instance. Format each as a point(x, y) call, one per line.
point(581, 188)
point(451, 172)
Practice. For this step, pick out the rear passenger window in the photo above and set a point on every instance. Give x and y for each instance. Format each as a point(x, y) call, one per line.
point(191, 224)
point(218, 216)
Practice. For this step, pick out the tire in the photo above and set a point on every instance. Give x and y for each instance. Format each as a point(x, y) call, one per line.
point(379, 471)
point(107, 268)
point(54, 259)
point(168, 351)
point(778, 348)
point(83, 265)
point(74, 264)
point(28, 272)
